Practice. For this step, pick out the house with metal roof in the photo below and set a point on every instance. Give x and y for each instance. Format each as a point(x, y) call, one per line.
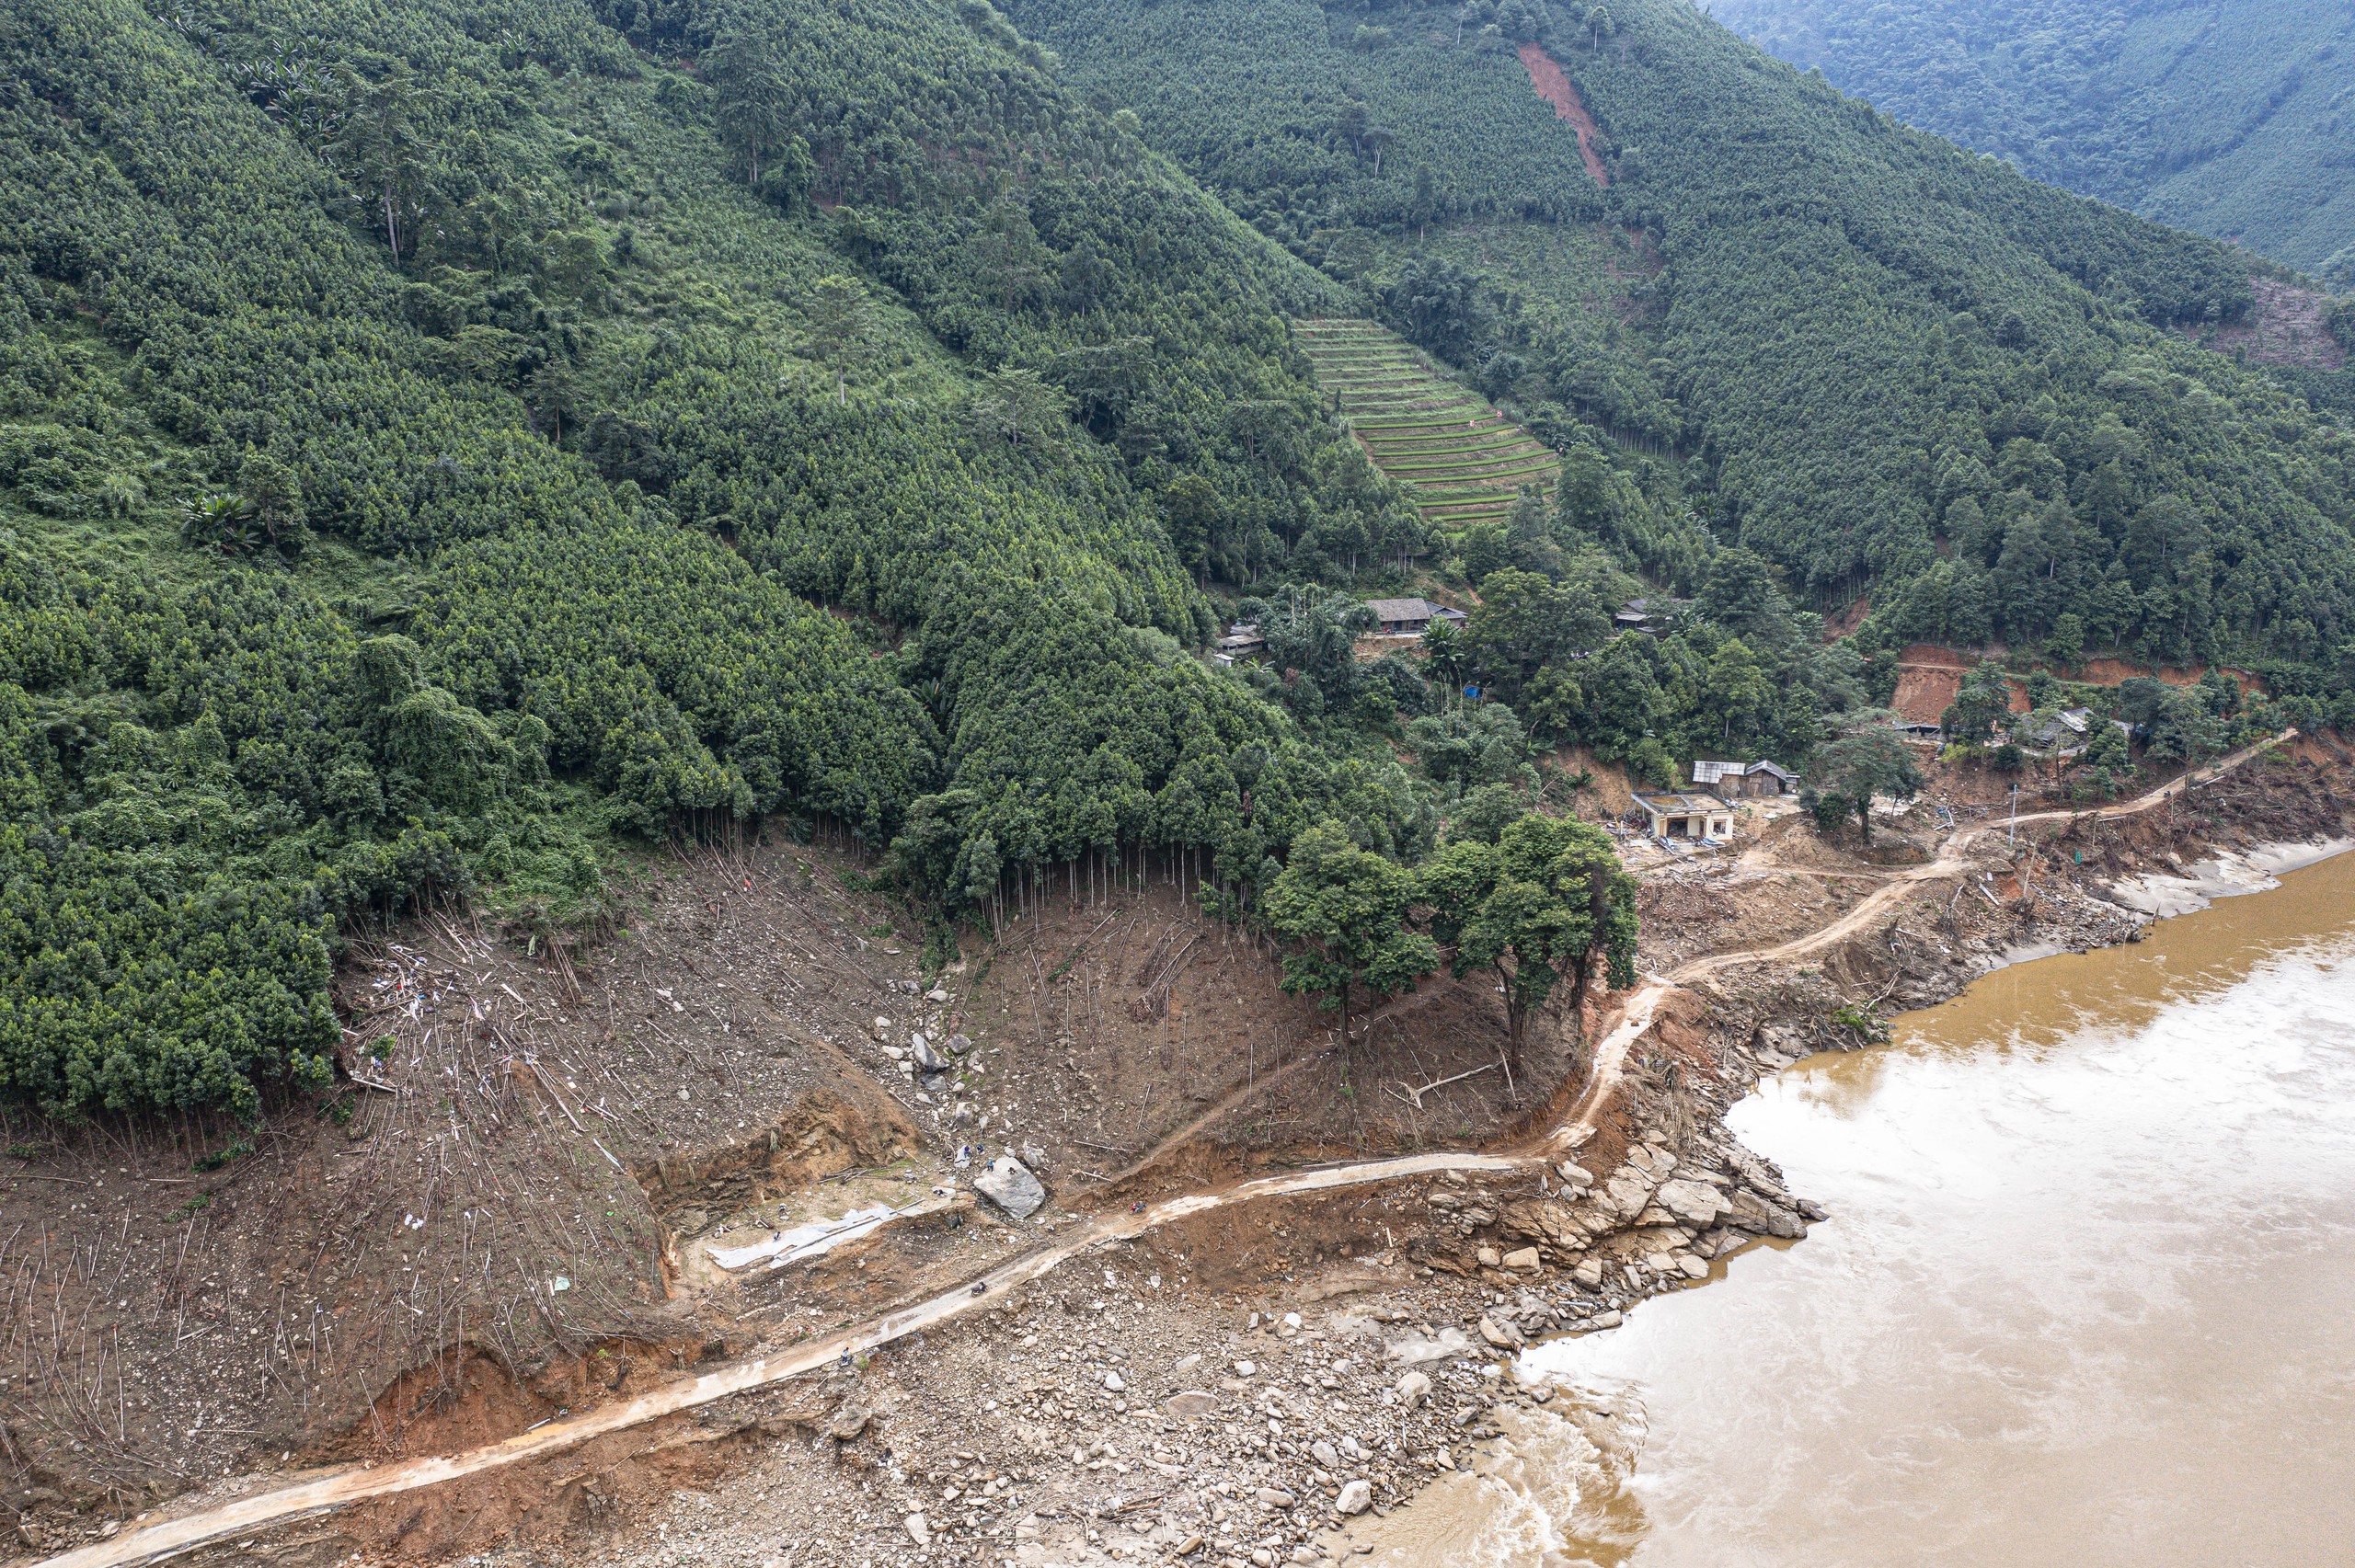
point(1747, 779)
point(2062, 734)
point(1412, 617)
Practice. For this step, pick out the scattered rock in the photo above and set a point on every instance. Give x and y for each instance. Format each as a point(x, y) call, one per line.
point(1324, 1454)
point(1191, 1403)
point(1413, 1349)
point(927, 1059)
point(1525, 1260)
point(918, 1531)
point(1489, 1257)
point(1275, 1497)
point(1245, 1368)
point(1009, 1184)
point(1414, 1389)
point(1355, 1499)
point(1589, 1272)
point(1504, 1337)
point(958, 1044)
point(1112, 1383)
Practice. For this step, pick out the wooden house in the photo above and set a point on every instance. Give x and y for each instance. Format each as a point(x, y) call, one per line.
point(1411, 617)
point(1748, 780)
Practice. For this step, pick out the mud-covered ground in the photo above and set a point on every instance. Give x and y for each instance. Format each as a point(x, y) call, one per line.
point(576, 1132)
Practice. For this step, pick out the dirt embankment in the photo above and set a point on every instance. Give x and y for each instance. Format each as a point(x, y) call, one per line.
point(432, 1254)
point(500, 1218)
point(1546, 75)
point(1930, 674)
point(1135, 1029)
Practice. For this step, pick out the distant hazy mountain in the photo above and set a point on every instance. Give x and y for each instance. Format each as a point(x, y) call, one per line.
point(2232, 117)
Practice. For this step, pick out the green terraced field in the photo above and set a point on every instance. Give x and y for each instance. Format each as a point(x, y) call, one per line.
point(1460, 459)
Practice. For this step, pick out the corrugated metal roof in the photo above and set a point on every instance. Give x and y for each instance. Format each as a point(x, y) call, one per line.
point(1716, 772)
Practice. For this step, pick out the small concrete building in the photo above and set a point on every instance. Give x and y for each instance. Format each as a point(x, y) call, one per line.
point(1750, 780)
point(1688, 816)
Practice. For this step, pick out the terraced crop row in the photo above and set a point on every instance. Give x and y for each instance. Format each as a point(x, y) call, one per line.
point(1460, 459)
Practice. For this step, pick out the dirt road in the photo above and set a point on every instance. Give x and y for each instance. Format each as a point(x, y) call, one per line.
point(327, 1489)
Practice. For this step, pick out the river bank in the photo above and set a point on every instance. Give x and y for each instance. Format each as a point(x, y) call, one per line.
point(2085, 1296)
point(1197, 1461)
point(1068, 1420)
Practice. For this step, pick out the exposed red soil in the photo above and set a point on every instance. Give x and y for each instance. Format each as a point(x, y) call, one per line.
point(1129, 1023)
point(2289, 326)
point(1928, 676)
point(1927, 679)
point(435, 1261)
point(1547, 76)
point(2111, 671)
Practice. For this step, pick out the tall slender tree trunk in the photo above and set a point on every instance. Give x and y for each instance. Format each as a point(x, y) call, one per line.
point(1516, 1018)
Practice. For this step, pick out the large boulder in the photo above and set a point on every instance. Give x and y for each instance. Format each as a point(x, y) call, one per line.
point(1628, 1191)
point(1009, 1184)
point(1761, 1217)
point(1696, 1203)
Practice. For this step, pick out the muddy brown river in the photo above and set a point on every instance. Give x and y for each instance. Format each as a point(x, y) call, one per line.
point(2087, 1298)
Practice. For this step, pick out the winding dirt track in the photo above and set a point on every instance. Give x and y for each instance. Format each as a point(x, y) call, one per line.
point(328, 1489)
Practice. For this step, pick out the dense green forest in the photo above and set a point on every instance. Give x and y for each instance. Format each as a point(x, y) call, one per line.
point(2235, 118)
point(441, 446)
point(433, 432)
point(1874, 359)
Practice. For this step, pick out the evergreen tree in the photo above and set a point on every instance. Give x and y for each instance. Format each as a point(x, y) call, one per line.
point(1535, 907)
point(1343, 911)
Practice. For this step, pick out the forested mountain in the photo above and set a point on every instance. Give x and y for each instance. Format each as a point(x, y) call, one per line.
point(1873, 358)
point(441, 443)
point(2235, 118)
point(432, 429)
